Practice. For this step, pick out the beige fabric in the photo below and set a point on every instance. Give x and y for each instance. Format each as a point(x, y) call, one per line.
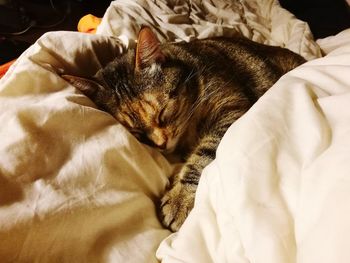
point(331, 43)
point(74, 185)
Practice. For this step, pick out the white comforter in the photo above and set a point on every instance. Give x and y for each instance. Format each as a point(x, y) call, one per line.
point(75, 186)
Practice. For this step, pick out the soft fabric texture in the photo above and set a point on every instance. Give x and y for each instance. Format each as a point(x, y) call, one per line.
point(177, 20)
point(75, 186)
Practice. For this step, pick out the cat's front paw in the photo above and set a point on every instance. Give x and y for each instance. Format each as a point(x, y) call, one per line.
point(176, 204)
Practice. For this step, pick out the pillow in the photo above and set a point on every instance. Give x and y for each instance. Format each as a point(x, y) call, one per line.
point(74, 184)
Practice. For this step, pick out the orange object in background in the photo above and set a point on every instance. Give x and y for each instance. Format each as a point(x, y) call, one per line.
point(89, 24)
point(5, 67)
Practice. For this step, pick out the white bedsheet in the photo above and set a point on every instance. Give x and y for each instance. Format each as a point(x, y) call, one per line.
point(75, 186)
point(177, 20)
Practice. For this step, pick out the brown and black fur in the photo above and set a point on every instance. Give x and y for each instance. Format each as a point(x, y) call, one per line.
point(182, 97)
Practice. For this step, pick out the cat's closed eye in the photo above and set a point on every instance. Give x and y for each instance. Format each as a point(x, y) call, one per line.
point(167, 115)
point(137, 133)
point(163, 117)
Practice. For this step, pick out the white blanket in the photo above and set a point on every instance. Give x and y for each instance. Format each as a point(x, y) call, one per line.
point(75, 186)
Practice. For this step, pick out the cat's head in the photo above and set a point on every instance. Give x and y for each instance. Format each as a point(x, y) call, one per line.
point(147, 90)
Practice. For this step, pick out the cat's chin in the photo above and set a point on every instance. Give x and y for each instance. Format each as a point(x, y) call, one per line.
point(167, 151)
point(170, 146)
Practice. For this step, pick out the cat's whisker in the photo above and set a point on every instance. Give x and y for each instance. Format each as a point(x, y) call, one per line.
point(198, 72)
point(199, 99)
point(198, 102)
point(191, 75)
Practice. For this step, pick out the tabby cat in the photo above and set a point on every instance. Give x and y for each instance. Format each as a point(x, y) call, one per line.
point(182, 97)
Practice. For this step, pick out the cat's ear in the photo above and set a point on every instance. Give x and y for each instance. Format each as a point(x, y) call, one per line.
point(148, 49)
point(87, 86)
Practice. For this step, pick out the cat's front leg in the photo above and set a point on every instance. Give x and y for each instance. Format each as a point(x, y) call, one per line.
point(178, 200)
point(176, 204)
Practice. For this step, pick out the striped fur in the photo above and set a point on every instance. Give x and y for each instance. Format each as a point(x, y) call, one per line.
point(182, 97)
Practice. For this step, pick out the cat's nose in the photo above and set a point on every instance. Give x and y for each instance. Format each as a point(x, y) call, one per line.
point(159, 138)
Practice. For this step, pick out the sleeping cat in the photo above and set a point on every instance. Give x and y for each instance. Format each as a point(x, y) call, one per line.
point(182, 97)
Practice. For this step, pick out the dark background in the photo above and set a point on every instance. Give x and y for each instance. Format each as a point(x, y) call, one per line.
point(22, 22)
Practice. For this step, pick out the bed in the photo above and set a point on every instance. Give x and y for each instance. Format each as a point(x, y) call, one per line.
point(75, 186)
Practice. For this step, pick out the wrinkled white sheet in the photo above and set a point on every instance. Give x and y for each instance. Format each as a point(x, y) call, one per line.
point(279, 188)
point(75, 186)
point(177, 20)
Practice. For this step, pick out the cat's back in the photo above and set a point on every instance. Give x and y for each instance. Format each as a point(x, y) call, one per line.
point(236, 60)
point(238, 50)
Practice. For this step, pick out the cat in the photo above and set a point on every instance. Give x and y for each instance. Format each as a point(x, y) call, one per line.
point(182, 97)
